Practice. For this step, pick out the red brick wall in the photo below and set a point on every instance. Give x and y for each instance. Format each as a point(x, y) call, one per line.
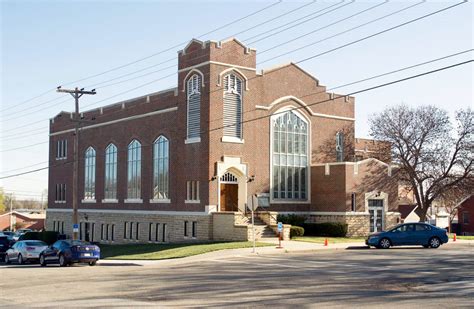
point(467, 207)
point(197, 161)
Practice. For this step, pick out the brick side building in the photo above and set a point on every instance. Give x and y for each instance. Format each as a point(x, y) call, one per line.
point(167, 165)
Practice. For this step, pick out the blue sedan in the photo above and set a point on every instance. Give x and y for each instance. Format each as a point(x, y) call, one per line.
point(67, 252)
point(422, 234)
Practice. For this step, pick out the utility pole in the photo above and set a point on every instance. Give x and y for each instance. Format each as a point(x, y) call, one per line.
point(76, 94)
point(11, 212)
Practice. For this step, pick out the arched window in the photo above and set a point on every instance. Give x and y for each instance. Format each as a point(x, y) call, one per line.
point(111, 172)
point(161, 168)
point(290, 157)
point(134, 174)
point(194, 106)
point(232, 106)
point(89, 174)
point(339, 147)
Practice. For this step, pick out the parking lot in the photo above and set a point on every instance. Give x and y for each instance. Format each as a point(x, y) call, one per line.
point(358, 278)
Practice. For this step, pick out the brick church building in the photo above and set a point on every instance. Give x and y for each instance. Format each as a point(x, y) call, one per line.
point(181, 164)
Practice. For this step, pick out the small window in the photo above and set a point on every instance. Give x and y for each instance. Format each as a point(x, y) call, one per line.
point(192, 188)
point(92, 231)
point(61, 149)
point(339, 147)
point(150, 227)
point(164, 232)
point(60, 192)
point(102, 232)
point(107, 232)
point(125, 225)
point(185, 228)
point(130, 230)
point(137, 230)
point(157, 232)
point(112, 233)
point(465, 218)
point(375, 203)
point(194, 231)
point(353, 202)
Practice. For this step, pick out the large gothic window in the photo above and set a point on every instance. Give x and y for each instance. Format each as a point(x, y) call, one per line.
point(290, 157)
point(233, 106)
point(161, 168)
point(111, 172)
point(134, 173)
point(193, 91)
point(89, 174)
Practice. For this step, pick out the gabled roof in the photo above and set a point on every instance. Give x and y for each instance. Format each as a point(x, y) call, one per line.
point(280, 66)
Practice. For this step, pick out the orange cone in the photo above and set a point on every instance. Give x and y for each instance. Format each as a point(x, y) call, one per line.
point(454, 238)
point(326, 242)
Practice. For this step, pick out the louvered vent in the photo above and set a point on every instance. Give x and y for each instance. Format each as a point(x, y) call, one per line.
point(194, 105)
point(232, 106)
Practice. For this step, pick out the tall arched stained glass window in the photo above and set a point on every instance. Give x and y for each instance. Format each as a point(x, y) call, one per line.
point(134, 170)
point(89, 174)
point(111, 172)
point(290, 157)
point(161, 168)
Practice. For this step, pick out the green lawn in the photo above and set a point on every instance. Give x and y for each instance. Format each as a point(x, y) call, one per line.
point(167, 251)
point(331, 240)
point(451, 236)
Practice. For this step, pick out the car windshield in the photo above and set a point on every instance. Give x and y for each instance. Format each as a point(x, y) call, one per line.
point(35, 243)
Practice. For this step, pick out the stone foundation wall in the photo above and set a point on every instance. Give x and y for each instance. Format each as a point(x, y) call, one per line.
point(111, 227)
point(357, 225)
point(224, 227)
point(392, 219)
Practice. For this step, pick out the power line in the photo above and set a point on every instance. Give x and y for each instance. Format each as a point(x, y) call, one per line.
point(348, 44)
point(160, 70)
point(293, 108)
point(143, 69)
point(150, 56)
point(340, 86)
point(314, 56)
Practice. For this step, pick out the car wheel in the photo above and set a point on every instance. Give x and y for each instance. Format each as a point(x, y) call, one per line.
point(384, 243)
point(42, 260)
point(20, 259)
point(7, 259)
point(62, 261)
point(92, 263)
point(435, 242)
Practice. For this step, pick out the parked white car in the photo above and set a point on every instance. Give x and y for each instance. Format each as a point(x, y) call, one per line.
point(25, 250)
point(20, 232)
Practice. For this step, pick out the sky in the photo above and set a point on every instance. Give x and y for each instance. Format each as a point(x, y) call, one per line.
point(49, 43)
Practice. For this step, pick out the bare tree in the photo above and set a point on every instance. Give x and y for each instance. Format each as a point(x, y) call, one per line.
point(433, 155)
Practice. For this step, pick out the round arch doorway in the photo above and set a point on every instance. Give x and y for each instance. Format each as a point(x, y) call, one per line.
point(229, 197)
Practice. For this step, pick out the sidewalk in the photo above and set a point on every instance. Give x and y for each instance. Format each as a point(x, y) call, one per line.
point(288, 247)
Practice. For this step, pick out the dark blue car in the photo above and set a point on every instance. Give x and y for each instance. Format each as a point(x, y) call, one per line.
point(67, 252)
point(408, 234)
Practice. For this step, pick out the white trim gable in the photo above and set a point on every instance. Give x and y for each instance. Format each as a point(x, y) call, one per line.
point(190, 73)
point(233, 69)
point(303, 104)
point(183, 51)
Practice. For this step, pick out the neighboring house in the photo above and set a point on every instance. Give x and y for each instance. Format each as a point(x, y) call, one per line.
point(466, 216)
point(180, 164)
point(28, 219)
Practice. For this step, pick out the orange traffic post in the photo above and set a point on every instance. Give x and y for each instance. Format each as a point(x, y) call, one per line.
point(326, 242)
point(454, 238)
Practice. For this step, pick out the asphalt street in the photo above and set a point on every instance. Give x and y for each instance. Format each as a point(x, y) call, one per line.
point(369, 278)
